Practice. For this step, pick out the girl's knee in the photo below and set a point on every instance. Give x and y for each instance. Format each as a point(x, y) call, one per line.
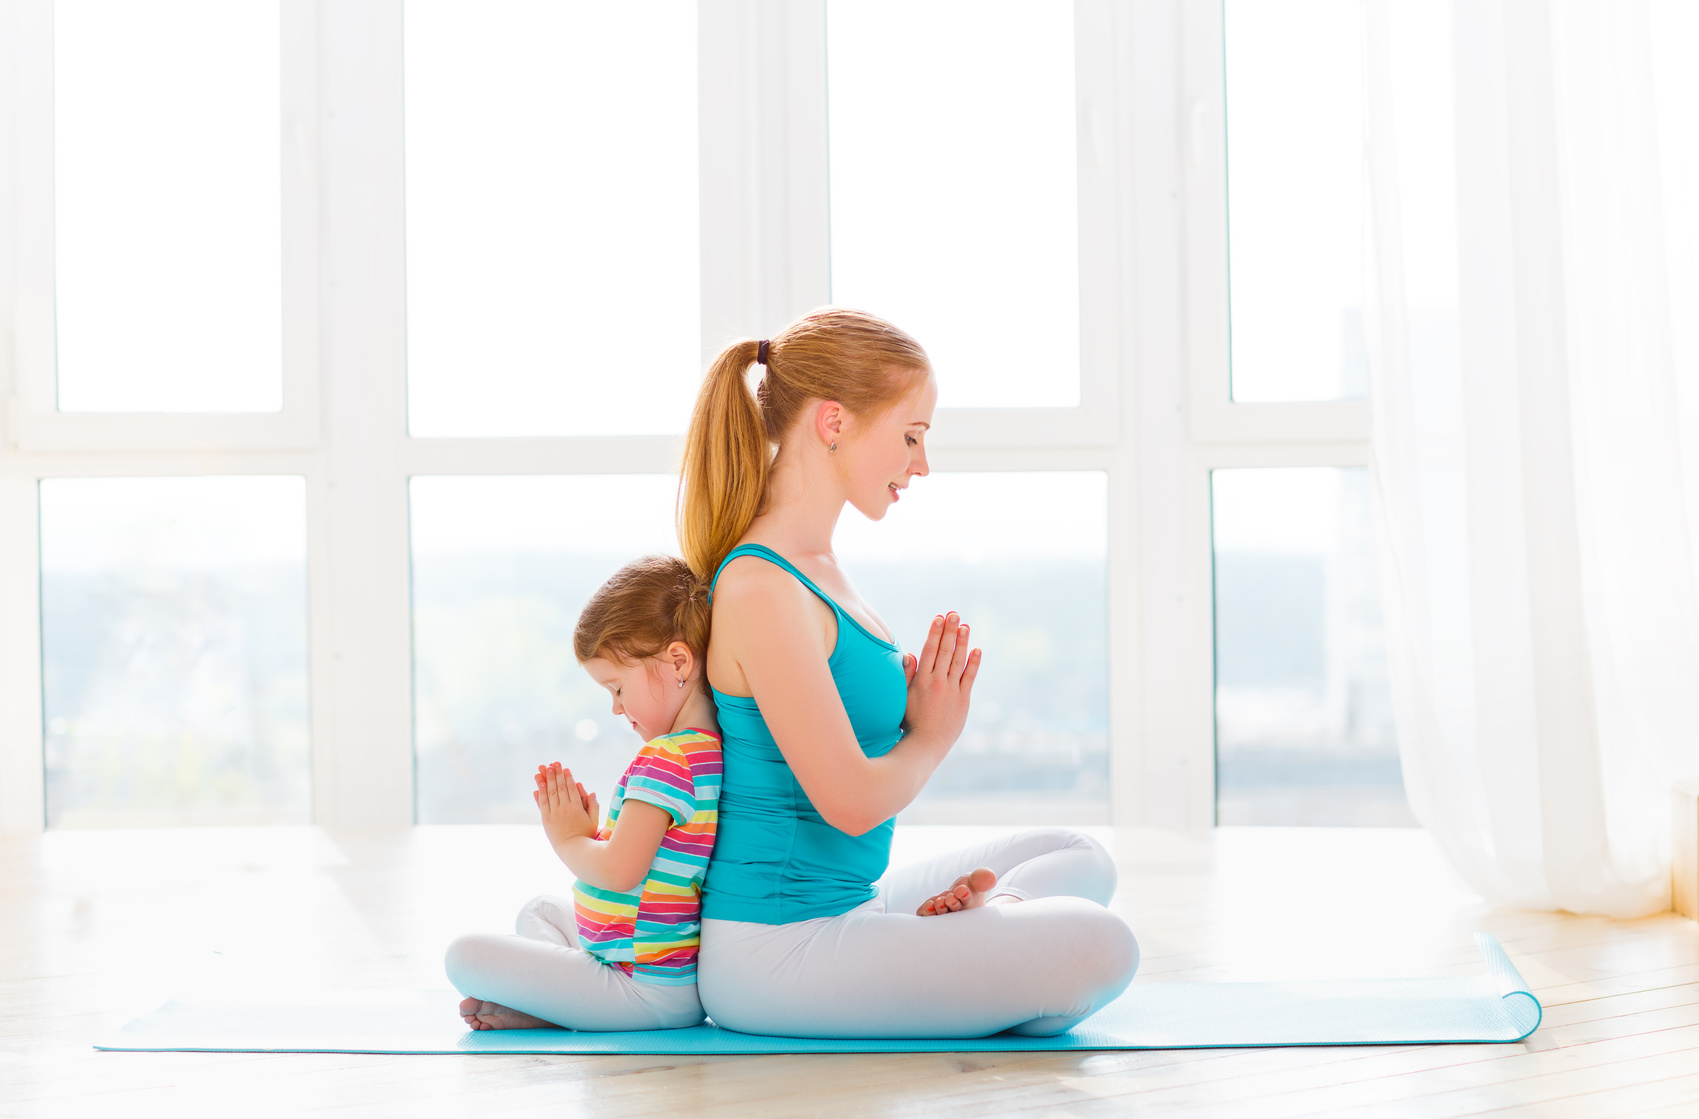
point(464, 959)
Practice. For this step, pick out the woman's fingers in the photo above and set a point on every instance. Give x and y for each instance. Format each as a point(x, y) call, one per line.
point(948, 639)
point(959, 660)
point(929, 651)
point(971, 672)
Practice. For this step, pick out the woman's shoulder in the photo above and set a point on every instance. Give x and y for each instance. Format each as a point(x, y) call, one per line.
point(754, 580)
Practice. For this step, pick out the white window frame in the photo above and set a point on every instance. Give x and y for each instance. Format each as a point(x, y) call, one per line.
point(1154, 414)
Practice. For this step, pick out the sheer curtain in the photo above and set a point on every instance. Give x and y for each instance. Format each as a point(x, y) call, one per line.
point(1533, 170)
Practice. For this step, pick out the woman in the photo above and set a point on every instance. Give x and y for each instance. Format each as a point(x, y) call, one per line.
point(829, 731)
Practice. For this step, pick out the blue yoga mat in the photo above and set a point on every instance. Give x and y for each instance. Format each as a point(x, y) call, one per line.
point(1152, 1014)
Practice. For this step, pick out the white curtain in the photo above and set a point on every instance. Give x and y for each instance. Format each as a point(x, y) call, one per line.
point(1533, 170)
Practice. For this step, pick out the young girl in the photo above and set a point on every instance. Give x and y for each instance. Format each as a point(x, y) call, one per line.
point(622, 954)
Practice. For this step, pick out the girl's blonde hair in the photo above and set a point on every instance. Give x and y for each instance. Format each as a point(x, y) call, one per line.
point(646, 606)
point(856, 359)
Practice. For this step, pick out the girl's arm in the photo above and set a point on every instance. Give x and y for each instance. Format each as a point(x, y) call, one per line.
point(570, 820)
point(770, 625)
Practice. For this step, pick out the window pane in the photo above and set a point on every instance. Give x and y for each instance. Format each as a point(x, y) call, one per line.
point(167, 234)
point(1023, 558)
point(552, 281)
point(174, 651)
point(1303, 708)
point(953, 186)
point(1294, 199)
point(501, 568)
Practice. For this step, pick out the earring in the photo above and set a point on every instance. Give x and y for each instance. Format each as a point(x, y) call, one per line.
point(681, 681)
point(832, 448)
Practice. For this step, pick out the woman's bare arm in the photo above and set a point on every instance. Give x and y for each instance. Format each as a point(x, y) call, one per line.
point(777, 633)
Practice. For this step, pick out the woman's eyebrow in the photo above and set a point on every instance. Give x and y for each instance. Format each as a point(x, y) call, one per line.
point(920, 423)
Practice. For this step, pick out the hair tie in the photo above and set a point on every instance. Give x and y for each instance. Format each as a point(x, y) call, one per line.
point(761, 353)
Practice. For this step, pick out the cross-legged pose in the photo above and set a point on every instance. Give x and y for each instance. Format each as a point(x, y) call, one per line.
point(830, 730)
point(621, 954)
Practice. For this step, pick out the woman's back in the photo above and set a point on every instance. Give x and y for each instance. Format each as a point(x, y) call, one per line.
point(776, 859)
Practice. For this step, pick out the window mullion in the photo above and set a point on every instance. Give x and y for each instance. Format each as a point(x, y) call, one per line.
point(765, 251)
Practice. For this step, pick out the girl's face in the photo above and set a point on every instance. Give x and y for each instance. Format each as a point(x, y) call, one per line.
point(645, 692)
point(879, 456)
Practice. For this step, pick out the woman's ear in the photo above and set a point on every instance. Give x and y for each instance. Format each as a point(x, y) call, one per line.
point(829, 421)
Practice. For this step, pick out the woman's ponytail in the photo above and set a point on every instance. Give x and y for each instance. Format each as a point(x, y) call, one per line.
point(727, 455)
point(856, 359)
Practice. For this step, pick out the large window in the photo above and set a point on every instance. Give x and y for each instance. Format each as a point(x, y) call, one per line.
point(349, 346)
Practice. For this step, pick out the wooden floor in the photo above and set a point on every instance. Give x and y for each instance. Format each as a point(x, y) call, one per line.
point(98, 927)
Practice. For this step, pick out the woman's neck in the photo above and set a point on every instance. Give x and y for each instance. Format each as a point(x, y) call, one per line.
point(802, 508)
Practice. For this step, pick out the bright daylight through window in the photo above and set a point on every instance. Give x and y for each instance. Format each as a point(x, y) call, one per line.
point(1295, 199)
point(552, 279)
point(1303, 707)
point(953, 191)
point(167, 228)
point(174, 649)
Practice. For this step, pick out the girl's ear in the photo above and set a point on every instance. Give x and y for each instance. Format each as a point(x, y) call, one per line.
point(679, 656)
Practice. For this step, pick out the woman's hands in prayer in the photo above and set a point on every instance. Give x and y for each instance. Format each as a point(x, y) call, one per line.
point(940, 681)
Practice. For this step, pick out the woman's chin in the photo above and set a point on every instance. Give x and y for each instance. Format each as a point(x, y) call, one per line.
point(874, 512)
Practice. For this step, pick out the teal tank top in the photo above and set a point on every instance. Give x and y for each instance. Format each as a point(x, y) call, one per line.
point(775, 860)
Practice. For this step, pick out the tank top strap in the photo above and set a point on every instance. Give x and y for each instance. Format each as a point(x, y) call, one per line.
point(766, 553)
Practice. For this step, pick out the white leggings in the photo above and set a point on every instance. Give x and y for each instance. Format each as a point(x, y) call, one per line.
point(880, 971)
point(543, 972)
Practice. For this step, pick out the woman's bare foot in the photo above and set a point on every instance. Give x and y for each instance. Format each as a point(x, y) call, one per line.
point(968, 892)
point(481, 1015)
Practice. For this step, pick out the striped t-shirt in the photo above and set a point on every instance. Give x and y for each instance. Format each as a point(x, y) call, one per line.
point(652, 932)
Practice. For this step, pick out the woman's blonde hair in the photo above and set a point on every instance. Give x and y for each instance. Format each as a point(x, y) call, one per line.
point(646, 606)
point(856, 359)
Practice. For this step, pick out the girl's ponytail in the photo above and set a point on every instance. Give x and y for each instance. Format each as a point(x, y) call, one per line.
point(727, 455)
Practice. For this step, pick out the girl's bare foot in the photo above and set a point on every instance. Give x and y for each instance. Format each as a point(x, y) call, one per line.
point(968, 892)
point(481, 1015)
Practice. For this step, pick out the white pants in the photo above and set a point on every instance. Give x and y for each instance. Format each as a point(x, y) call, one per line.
point(880, 971)
point(543, 972)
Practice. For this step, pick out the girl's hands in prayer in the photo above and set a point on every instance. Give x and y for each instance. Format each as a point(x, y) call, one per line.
point(940, 681)
point(568, 811)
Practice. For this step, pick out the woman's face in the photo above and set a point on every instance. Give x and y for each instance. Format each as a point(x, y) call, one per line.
point(879, 456)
